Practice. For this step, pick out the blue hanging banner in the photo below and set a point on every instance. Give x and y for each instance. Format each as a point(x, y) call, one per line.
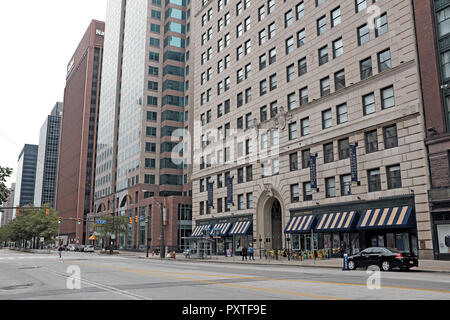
point(230, 190)
point(354, 163)
point(313, 167)
point(211, 194)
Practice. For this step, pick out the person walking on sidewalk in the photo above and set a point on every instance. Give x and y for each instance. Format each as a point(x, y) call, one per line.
point(60, 249)
point(251, 252)
point(244, 253)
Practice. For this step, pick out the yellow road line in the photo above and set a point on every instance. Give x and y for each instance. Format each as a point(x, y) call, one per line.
point(273, 279)
point(161, 275)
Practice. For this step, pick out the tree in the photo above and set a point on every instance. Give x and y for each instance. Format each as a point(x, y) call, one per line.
point(31, 225)
point(121, 227)
point(4, 191)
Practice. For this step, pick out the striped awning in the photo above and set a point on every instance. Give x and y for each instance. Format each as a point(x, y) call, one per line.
point(331, 222)
point(398, 217)
point(198, 231)
point(300, 224)
point(240, 228)
point(221, 229)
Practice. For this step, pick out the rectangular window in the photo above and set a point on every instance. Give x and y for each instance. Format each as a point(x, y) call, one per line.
point(374, 180)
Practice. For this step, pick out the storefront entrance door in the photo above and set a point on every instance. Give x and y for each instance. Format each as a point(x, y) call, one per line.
point(277, 240)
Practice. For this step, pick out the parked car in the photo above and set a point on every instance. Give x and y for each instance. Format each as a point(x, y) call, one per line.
point(79, 248)
point(385, 258)
point(89, 248)
point(71, 247)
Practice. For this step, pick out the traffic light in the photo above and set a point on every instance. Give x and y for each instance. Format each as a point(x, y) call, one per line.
point(131, 220)
point(136, 219)
point(60, 220)
point(17, 211)
point(79, 221)
point(47, 211)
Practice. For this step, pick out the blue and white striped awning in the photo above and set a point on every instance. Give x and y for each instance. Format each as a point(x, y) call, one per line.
point(388, 218)
point(198, 231)
point(241, 228)
point(300, 224)
point(331, 222)
point(220, 229)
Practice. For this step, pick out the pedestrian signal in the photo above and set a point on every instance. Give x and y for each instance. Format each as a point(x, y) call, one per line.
point(60, 220)
point(47, 211)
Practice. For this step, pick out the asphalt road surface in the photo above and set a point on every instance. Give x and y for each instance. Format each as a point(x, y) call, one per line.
point(87, 276)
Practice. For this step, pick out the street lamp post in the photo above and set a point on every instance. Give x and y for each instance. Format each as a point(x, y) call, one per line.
point(113, 236)
point(163, 248)
point(260, 247)
point(149, 239)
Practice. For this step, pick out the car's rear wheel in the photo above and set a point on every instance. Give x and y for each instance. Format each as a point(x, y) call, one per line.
point(352, 265)
point(385, 266)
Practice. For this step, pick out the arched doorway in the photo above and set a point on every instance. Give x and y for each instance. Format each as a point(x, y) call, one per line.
point(277, 228)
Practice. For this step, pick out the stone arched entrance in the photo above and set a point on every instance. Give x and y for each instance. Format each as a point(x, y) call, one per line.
point(270, 221)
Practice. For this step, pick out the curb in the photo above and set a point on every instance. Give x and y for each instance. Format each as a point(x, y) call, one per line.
point(279, 264)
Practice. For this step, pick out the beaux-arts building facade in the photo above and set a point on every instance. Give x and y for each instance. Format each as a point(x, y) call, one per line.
point(284, 91)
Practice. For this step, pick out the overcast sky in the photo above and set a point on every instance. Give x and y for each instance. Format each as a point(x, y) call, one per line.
point(38, 40)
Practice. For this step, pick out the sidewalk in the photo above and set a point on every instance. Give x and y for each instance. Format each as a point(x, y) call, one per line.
point(424, 265)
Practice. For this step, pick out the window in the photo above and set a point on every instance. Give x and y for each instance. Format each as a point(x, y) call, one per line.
point(305, 127)
point(443, 21)
point(381, 25)
point(342, 115)
point(369, 104)
point(323, 55)
point(344, 149)
point(371, 141)
point(360, 5)
point(328, 152)
point(262, 62)
point(272, 30)
point(394, 177)
point(288, 19)
point(250, 200)
point(290, 73)
point(336, 18)
point(387, 97)
point(262, 36)
point(293, 162)
point(302, 67)
point(346, 185)
point(263, 113)
point(307, 191)
point(363, 35)
point(273, 82)
point(321, 25)
point(249, 173)
point(384, 60)
point(289, 45)
point(293, 131)
point(338, 48)
point(330, 187)
point(374, 180)
point(261, 13)
point(365, 67)
point(272, 55)
point(325, 87)
point(339, 80)
point(301, 38)
point(327, 119)
point(263, 87)
point(304, 98)
point(295, 193)
point(390, 137)
point(273, 109)
point(292, 102)
point(306, 159)
point(300, 10)
point(241, 202)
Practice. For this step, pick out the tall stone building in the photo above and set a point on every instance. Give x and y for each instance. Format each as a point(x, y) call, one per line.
point(7, 214)
point(315, 109)
point(144, 105)
point(76, 168)
point(433, 35)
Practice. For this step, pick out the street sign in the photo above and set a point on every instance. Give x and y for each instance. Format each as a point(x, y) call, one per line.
point(142, 218)
point(42, 239)
point(100, 221)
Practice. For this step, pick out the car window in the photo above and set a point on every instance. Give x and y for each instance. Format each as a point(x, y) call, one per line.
point(367, 251)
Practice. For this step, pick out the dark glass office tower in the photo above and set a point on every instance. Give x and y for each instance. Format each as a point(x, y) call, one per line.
point(47, 165)
point(26, 176)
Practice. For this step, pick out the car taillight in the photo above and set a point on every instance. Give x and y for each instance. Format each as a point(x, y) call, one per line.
point(399, 256)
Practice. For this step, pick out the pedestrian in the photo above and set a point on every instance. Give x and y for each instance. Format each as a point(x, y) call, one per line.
point(60, 249)
point(251, 252)
point(244, 254)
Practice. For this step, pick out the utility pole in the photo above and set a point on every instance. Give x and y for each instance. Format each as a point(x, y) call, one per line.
point(113, 235)
point(163, 246)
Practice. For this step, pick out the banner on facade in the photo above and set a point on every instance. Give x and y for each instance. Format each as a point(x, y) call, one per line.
point(210, 194)
point(230, 190)
point(354, 163)
point(313, 167)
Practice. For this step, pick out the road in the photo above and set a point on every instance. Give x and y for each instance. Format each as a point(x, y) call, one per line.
point(45, 277)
